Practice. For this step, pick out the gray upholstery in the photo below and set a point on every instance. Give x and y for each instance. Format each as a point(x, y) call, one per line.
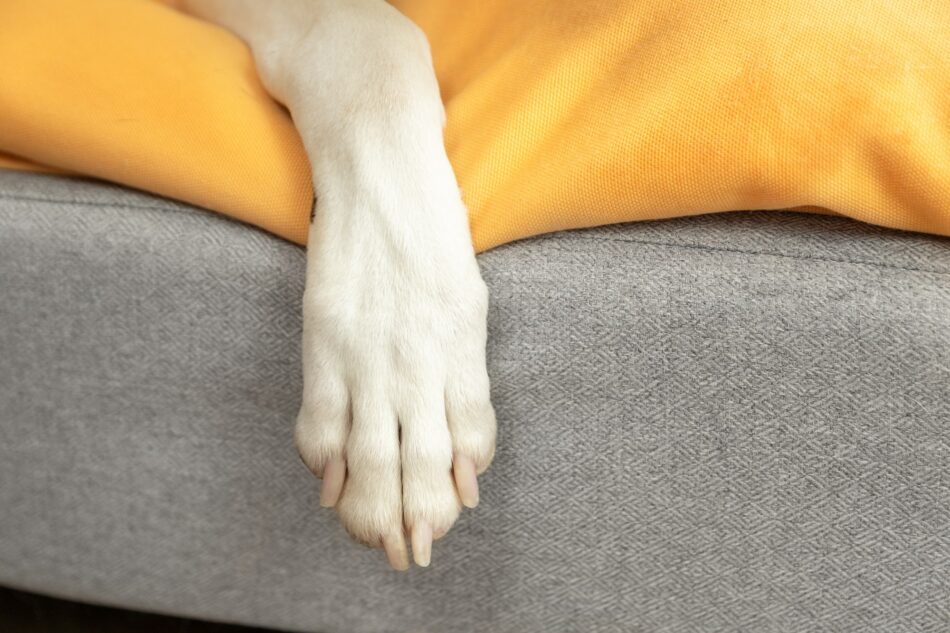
point(731, 423)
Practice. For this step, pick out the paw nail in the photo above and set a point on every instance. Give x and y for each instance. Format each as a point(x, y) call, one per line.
point(333, 475)
point(396, 552)
point(466, 481)
point(422, 544)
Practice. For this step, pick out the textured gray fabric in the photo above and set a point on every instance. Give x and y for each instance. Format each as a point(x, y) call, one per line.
point(725, 423)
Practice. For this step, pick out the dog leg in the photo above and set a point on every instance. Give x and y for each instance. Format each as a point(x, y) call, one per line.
point(396, 415)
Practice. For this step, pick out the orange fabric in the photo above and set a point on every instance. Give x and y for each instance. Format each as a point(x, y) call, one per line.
point(12, 162)
point(135, 92)
point(560, 114)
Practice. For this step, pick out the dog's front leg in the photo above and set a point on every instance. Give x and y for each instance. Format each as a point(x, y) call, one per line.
point(396, 415)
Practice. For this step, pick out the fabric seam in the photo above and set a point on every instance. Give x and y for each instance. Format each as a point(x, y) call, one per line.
point(559, 236)
point(723, 249)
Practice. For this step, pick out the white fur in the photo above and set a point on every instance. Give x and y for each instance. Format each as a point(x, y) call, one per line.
point(395, 308)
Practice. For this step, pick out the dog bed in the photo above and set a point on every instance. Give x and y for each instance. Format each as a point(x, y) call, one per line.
point(560, 114)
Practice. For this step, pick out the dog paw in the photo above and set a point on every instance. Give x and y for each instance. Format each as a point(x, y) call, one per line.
point(396, 416)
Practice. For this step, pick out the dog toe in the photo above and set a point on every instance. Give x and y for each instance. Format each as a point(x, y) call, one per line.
point(322, 424)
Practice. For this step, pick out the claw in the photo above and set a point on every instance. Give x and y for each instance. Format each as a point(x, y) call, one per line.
point(422, 543)
point(466, 480)
point(333, 475)
point(396, 552)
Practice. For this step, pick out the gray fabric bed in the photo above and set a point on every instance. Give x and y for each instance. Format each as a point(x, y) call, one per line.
point(737, 422)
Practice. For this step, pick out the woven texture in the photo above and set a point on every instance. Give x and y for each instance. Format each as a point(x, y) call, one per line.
point(559, 114)
point(730, 423)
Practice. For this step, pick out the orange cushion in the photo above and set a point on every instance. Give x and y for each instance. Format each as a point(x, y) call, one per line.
point(560, 114)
